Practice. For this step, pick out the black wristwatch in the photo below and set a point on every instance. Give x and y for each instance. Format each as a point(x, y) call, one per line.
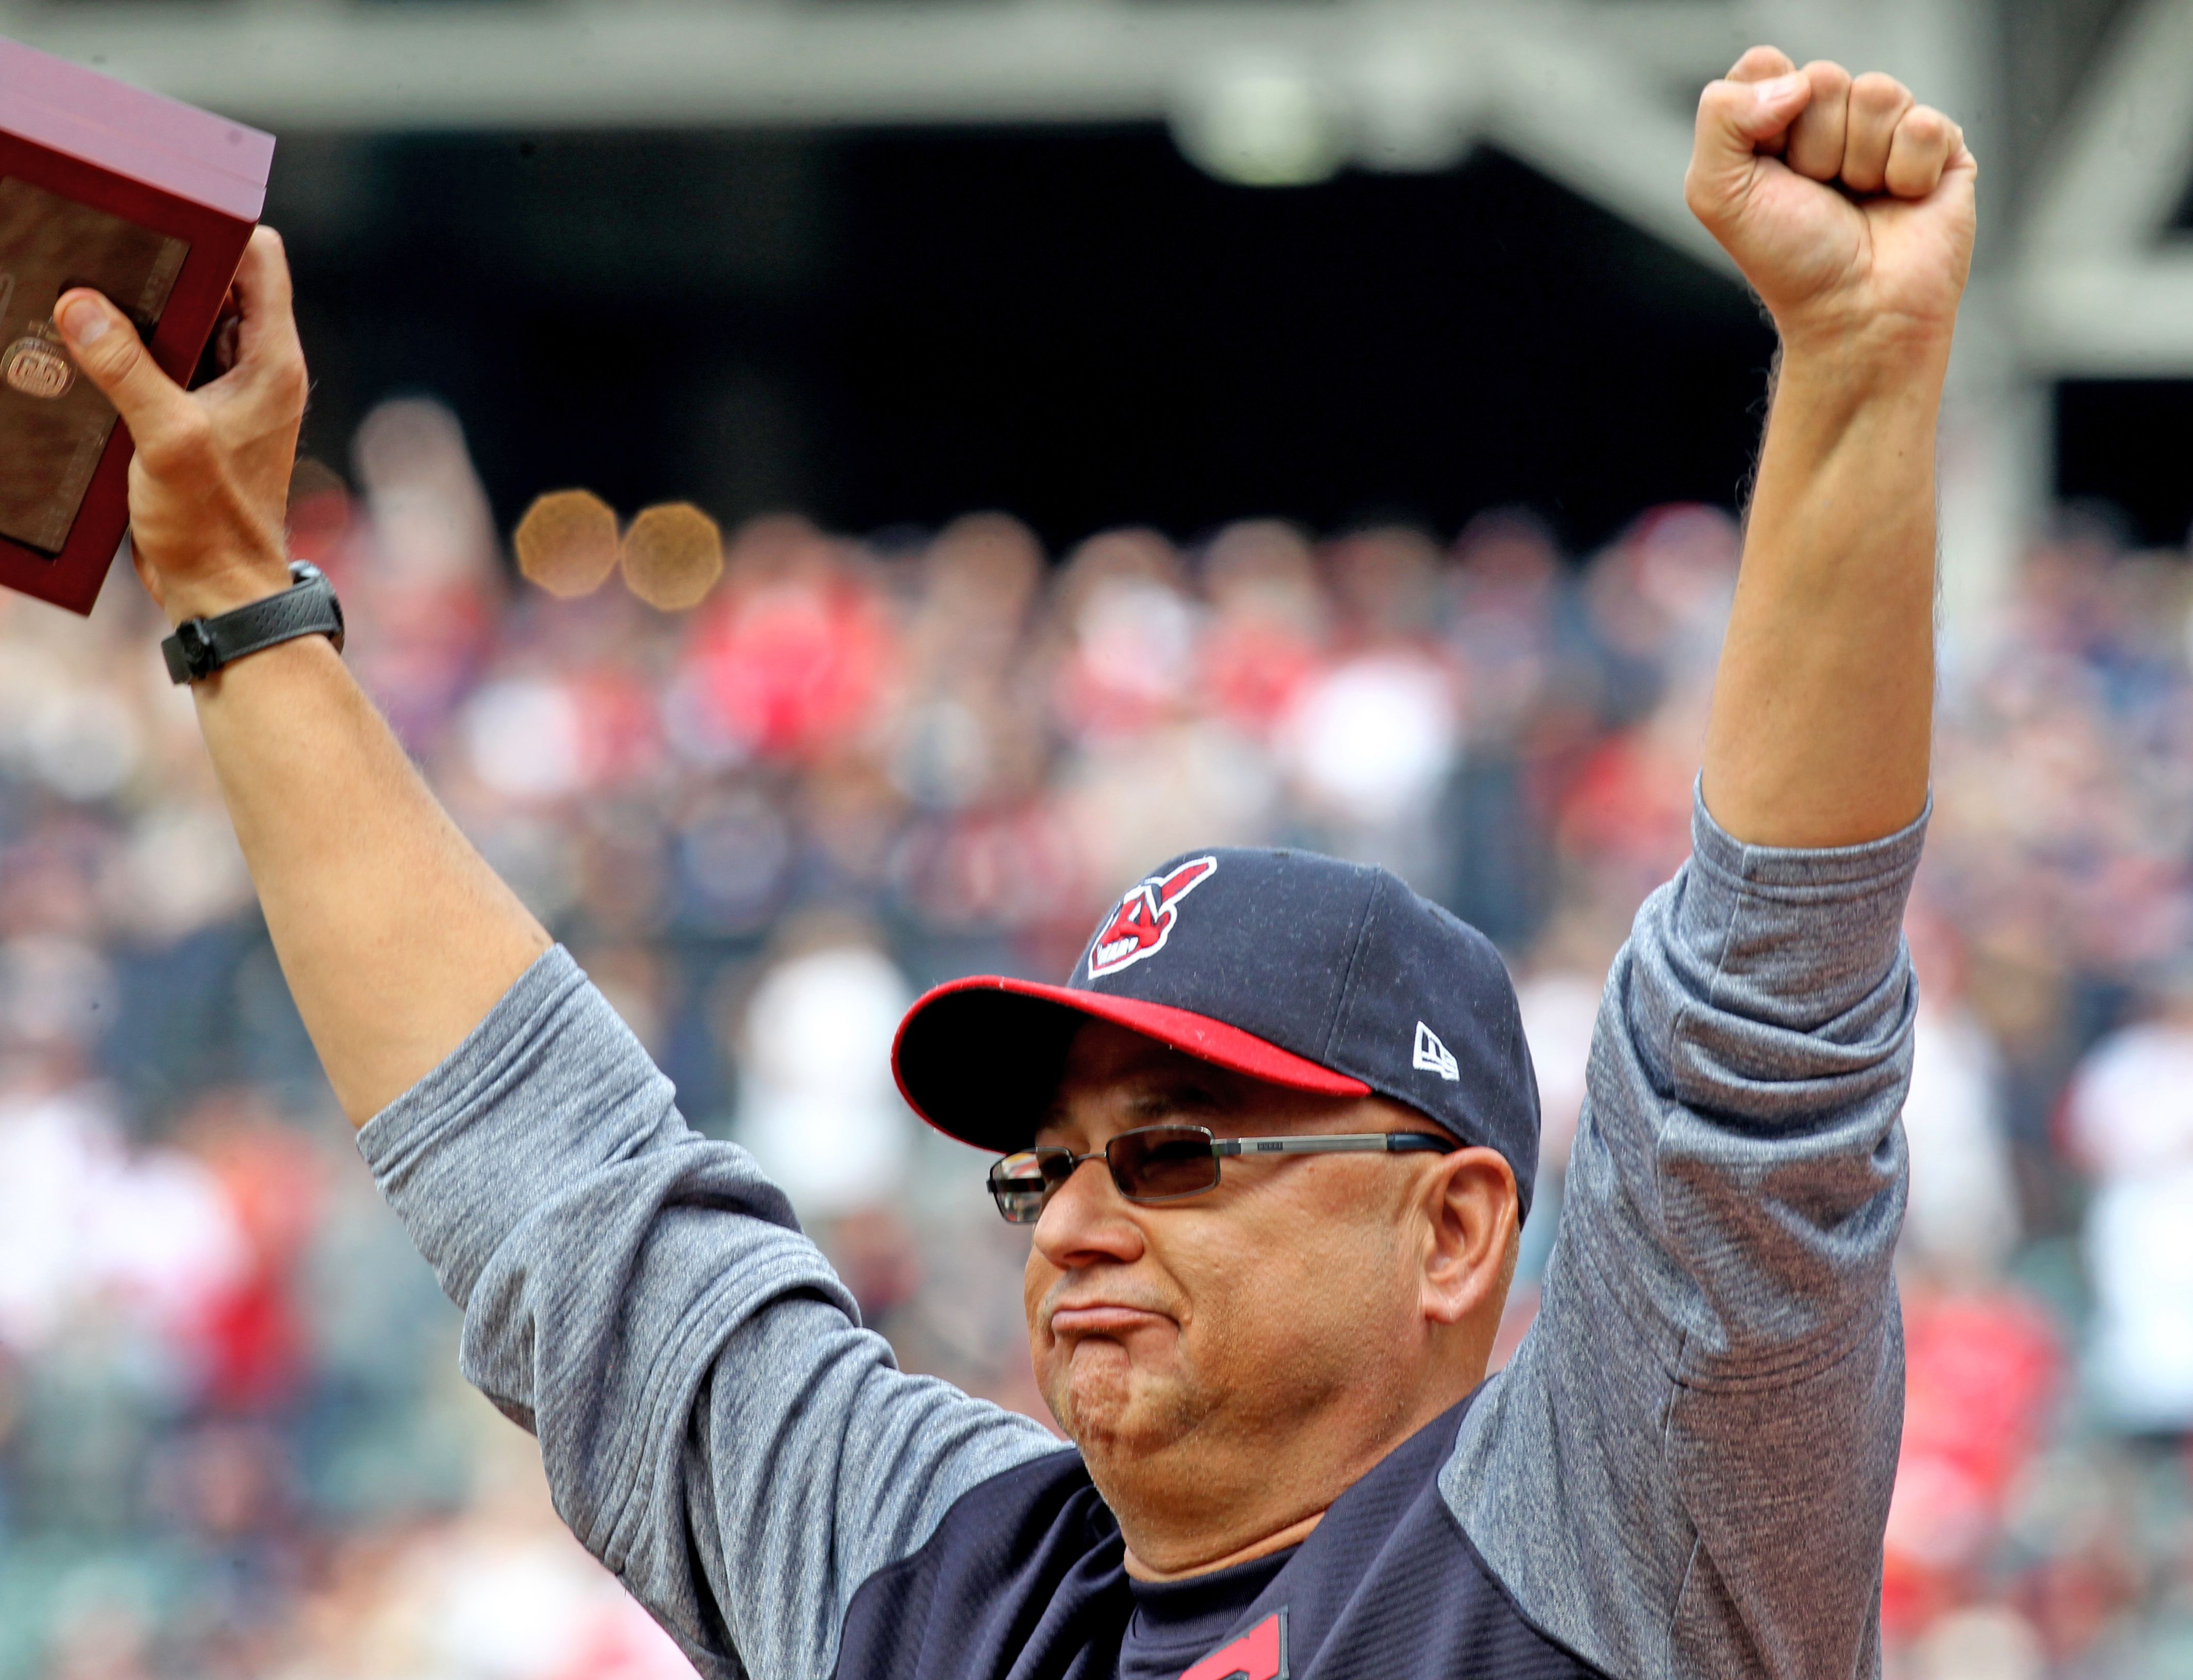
point(308, 607)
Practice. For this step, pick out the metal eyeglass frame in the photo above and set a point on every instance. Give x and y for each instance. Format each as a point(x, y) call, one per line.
point(1337, 1143)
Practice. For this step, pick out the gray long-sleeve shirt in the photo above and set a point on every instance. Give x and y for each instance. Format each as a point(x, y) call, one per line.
point(1685, 1470)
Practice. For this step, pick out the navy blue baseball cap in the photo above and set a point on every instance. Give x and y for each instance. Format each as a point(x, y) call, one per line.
point(1303, 970)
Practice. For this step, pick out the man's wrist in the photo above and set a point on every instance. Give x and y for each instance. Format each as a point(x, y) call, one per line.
point(201, 647)
point(1845, 382)
point(213, 593)
point(1876, 351)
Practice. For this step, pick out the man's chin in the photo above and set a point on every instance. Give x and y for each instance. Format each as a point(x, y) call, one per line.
point(1109, 1404)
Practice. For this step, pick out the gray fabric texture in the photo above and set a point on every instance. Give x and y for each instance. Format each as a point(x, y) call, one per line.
point(716, 1426)
point(1685, 1470)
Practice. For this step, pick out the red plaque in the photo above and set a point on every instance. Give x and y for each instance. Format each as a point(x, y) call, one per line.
point(145, 199)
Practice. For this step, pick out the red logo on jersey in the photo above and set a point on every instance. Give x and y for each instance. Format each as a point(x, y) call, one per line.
point(1143, 921)
point(1261, 1654)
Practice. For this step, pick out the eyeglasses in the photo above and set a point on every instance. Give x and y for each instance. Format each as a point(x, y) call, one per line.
point(1168, 1163)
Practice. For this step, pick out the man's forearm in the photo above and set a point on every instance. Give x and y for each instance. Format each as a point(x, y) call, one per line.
point(1849, 208)
point(396, 937)
point(1823, 707)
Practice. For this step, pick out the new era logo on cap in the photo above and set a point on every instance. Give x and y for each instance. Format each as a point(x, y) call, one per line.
point(1432, 1056)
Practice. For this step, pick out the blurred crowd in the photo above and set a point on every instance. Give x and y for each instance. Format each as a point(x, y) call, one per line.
point(233, 1441)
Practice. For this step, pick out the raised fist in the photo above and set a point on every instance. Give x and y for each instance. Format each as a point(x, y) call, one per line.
point(1847, 204)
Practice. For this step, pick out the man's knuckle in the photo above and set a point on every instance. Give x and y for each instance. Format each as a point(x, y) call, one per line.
point(1725, 106)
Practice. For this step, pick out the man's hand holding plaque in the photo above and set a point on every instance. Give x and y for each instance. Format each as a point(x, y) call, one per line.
point(209, 485)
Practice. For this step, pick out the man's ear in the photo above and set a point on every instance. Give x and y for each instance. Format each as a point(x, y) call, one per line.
point(1470, 1230)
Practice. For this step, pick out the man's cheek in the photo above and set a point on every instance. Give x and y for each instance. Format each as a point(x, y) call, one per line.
point(1286, 1319)
point(1036, 1278)
point(1051, 1383)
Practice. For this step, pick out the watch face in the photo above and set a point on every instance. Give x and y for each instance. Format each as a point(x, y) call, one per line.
point(54, 426)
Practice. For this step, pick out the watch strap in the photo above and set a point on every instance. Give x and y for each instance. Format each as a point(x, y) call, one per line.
point(201, 645)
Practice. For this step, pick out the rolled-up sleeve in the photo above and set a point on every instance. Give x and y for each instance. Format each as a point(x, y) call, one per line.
point(1686, 1468)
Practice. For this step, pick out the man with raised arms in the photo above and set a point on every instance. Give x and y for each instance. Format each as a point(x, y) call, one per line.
point(1273, 1137)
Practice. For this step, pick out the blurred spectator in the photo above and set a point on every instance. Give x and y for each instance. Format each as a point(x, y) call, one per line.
point(1368, 745)
point(1269, 622)
point(965, 735)
point(817, 1103)
point(1527, 674)
point(420, 573)
point(1560, 1007)
point(2130, 1119)
point(1980, 1371)
point(1962, 1219)
point(1370, 740)
point(791, 658)
point(1129, 635)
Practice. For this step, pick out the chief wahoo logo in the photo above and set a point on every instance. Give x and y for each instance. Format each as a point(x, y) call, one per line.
point(1142, 923)
point(1261, 1654)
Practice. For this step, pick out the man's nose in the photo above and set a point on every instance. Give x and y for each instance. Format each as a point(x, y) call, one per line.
point(1087, 1220)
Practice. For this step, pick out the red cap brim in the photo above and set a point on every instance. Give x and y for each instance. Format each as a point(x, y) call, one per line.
point(974, 1059)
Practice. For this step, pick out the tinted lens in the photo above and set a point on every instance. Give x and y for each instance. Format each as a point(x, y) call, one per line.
point(1021, 1184)
point(1154, 1163)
